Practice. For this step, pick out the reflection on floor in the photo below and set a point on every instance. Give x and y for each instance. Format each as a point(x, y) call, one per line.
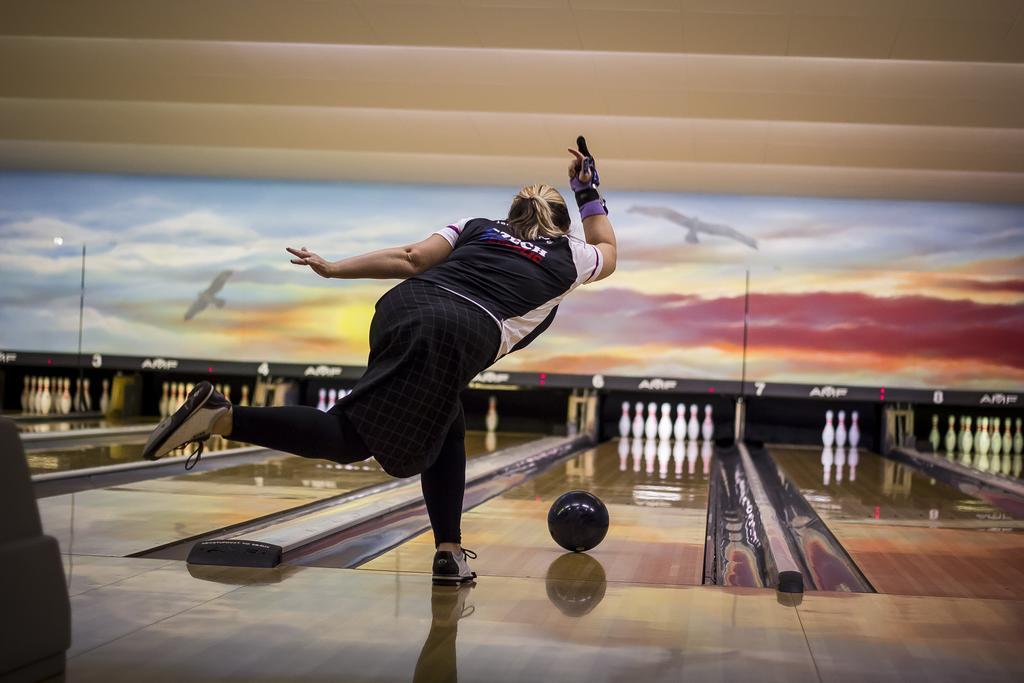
point(656, 533)
point(909, 534)
point(155, 620)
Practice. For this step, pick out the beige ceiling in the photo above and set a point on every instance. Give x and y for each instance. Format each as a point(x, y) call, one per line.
point(880, 98)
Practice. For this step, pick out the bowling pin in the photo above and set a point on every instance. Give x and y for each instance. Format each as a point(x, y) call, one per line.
point(951, 436)
point(665, 423)
point(332, 398)
point(679, 428)
point(637, 450)
point(966, 437)
point(163, 400)
point(1007, 439)
point(46, 401)
point(30, 406)
point(983, 438)
point(840, 461)
point(933, 436)
point(828, 434)
point(650, 450)
point(1018, 438)
point(707, 428)
point(841, 429)
point(65, 397)
point(86, 395)
point(638, 421)
point(24, 394)
point(851, 460)
point(245, 395)
point(827, 458)
point(491, 419)
point(105, 397)
point(227, 392)
point(651, 425)
point(853, 436)
point(322, 403)
point(624, 422)
point(624, 449)
point(692, 426)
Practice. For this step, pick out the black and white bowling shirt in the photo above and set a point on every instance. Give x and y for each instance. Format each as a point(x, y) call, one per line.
point(518, 283)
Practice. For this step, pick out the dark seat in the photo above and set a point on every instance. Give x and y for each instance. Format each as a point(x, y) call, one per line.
point(35, 614)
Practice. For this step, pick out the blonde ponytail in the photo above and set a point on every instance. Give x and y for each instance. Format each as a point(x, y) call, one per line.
point(538, 211)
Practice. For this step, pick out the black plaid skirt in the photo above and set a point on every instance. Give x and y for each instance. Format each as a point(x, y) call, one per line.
point(426, 345)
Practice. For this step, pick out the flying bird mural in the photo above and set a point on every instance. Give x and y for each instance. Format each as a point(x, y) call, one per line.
point(208, 296)
point(695, 225)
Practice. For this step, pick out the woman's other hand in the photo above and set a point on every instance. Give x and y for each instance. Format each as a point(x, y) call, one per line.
point(305, 257)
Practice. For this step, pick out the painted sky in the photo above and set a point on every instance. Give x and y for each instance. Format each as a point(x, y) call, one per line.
point(908, 294)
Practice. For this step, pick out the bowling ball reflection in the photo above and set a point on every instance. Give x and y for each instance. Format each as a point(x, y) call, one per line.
point(575, 584)
point(578, 520)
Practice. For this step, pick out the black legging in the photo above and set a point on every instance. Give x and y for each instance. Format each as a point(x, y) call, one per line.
point(312, 433)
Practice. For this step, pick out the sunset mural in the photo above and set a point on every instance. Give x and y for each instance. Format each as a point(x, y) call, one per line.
point(908, 294)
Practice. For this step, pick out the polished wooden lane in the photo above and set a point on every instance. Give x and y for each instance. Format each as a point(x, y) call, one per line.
point(151, 620)
point(909, 534)
point(130, 518)
point(69, 457)
point(656, 534)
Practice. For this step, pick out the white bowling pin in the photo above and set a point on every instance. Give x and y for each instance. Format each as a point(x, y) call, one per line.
point(692, 426)
point(933, 436)
point(491, 419)
point(679, 428)
point(164, 397)
point(707, 428)
point(227, 392)
point(828, 434)
point(966, 437)
point(624, 422)
point(651, 425)
point(322, 403)
point(65, 397)
point(105, 397)
point(841, 429)
point(983, 438)
point(25, 384)
point(854, 434)
point(1007, 439)
point(46, 402)
point(951, 436)
point(332, 398)
point(665, 423)
point(86, 395)
point(245, 395)
point(638, 421)
point(995, 438)
point(1018, 438)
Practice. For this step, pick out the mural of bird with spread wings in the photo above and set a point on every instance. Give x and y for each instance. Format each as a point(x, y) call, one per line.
point(207, 296)
point(695, 225)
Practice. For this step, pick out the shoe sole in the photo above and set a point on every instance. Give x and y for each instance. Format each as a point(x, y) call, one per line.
point(172, 430)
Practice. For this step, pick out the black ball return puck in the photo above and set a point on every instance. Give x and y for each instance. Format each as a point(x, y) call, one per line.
point(235, 553)
point(791, 582)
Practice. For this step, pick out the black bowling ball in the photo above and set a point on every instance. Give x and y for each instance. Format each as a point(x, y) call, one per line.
point(578, 521)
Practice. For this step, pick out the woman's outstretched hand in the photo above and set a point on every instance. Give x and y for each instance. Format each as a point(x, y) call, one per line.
point(305, 257)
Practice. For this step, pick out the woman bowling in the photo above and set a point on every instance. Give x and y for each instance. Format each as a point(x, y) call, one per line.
point(470, 293)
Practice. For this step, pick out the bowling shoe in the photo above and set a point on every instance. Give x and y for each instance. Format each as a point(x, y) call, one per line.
point(192, 423)
point(453, 568)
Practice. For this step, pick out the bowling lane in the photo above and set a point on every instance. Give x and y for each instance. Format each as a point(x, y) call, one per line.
point(122, 520)
point(909, 534)
point(657, 500)
point(117, 450)
point(69, 423)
